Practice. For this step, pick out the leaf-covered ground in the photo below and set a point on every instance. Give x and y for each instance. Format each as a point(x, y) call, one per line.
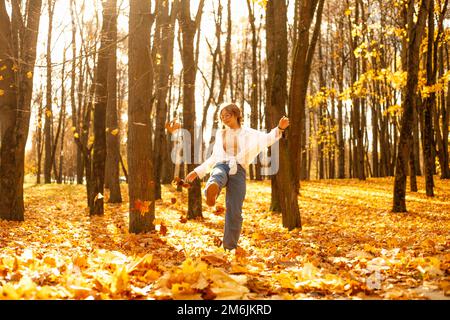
point(351, 246)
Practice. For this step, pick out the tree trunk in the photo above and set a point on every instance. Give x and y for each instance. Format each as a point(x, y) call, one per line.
point(274, 195)
point(75, 119)
point(416, 142)
point(81, 103)
point(54, 144)
point(358, 156)
point(168, 165)
point(321, 132)
point(415, 31)
point(15, 105)
point(393, 139)
point(112, 171)
point(189, 28)
point(141, 185)
point(412, 160)
point(82, 138)
point(445, 126)
point(276, 32)
point(340, 82)
point(165, 26)
point(255, 168)
point(39, 144)
point(48, 127)
point(301, 69)
point(413, 151)
point(362, 125)
point(442, 150)
point(227, 66)
point(62, 125)
point(429, 106)
point(96, 193)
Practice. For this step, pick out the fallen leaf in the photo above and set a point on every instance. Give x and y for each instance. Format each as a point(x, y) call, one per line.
point(183, 219)
point(162, 229)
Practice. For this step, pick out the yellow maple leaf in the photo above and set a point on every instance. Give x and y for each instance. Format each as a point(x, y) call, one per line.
point(142, 262)
point(29, 74)
point(115, 132)
point(258, 236)
point(120, 280)
point(142, 206)
point(151, 275)
point(80, 261)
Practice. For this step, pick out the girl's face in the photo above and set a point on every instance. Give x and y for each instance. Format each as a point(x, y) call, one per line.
point(228, 118)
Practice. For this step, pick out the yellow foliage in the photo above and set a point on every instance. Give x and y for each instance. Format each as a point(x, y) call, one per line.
point(262, 3)
point(120, 281)
point(393, 110)
point(350, 242)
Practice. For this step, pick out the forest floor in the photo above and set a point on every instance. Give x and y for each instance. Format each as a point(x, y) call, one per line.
point(351, 246)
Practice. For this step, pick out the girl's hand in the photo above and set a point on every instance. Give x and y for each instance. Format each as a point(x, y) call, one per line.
point(172, 126)
point(284, 123)
point(191, 176)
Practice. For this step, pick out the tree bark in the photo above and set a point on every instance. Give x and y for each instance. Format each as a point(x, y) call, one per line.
point(112, 171)
point(81, 104)
point(96, 193)
point(415, 32)
point(61, 125)
point(39, 136)
point(301, 69)
point(141, 185)
point(429, 106)
point(75, 110)
point(189, 28)
point(445, 125)
point(358, 156)
point(48, 126)
point(276, 32)
point(15, 104)
point(340, 82)
point(441, 137)
point(165, 25)
point(255, 170)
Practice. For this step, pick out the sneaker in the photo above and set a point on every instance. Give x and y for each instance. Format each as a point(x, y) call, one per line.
point(211, 192)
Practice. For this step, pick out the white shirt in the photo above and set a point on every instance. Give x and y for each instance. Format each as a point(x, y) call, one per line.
point(250, 143)
point(231, 143)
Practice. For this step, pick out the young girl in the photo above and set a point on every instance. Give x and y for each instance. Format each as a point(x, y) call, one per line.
point(234, 149)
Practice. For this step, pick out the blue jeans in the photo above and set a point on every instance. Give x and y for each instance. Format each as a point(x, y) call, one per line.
point(236, 188)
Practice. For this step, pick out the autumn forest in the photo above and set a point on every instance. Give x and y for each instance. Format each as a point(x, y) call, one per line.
point(224, 149)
